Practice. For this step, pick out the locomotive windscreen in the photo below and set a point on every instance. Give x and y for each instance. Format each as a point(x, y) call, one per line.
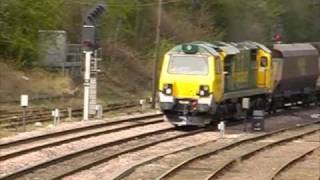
point(190, 65)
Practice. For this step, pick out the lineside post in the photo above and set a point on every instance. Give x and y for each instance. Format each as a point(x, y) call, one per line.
point(86, 85)
point(24, 118)
point(69, 113)
point(222, 128)
point(157, 57)
point(24, 102)
point(89, 42)
point(245, 106)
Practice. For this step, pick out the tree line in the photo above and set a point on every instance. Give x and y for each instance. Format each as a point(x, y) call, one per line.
point(131, 24)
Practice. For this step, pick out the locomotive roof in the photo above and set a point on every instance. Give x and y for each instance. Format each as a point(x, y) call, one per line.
point(219, 46)
point(203, 47)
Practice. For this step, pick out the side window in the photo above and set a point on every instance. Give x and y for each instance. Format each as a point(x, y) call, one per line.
point(218, 65)
point(263, 61)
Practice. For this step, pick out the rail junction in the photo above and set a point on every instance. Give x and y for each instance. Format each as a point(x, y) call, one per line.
point(144, 146)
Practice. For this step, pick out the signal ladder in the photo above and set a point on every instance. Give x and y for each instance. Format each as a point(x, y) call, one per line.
point(93, 82)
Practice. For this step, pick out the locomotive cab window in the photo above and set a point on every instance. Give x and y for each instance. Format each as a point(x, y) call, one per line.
point(218, 65)
point(189, 65)
point(263, 62)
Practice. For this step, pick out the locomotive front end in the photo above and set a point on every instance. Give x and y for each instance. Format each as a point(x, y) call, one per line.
point(186, 86)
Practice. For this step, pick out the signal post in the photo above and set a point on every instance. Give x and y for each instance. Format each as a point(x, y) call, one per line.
point(89, 45)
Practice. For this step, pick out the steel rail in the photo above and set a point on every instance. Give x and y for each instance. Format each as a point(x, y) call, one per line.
point(130, 169)
point(133, 149)
point(40, 110)
point(78, 129)
point(10, 122)
point(251, 153)
point(29, 170)
point(229, 146)
point(291, 162)
point(134, 124)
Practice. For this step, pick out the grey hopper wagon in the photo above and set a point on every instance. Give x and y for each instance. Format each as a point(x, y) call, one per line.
point(295, 69)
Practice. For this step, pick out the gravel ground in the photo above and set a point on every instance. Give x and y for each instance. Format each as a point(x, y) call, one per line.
point(263, 164)
point(20, 162)
point(113, 167)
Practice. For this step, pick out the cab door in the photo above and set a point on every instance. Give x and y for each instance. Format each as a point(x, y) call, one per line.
point(263, 69)
point(218, 86)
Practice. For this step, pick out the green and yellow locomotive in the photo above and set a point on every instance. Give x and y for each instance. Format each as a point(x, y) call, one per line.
point(201, 81)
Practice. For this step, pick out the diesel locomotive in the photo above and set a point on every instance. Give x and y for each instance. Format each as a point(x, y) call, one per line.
point(201, 82)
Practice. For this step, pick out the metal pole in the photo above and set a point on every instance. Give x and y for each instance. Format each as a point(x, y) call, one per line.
point(24, 119)
point(70, 113)
point(86, 86)
point(244, 120)
point(157, 57)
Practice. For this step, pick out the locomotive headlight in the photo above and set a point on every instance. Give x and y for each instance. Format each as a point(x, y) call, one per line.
point(204, 91)
point(167, 89)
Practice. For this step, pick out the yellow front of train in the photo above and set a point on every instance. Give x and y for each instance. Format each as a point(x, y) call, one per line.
point(188, 84)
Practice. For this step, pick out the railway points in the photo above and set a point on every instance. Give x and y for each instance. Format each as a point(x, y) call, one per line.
point(71, 163)
point(137, 149)
point(207, 161)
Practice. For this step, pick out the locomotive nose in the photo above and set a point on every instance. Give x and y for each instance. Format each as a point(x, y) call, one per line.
point(186, 89)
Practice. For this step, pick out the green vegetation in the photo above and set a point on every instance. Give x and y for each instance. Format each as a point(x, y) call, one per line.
point(20, 21)
point(131, 23)
point(127, 34)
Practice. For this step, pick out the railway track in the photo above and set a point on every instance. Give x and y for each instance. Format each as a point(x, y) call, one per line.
point(292, 161)
point(221, 159)
point(303, 166)
point(211, 160)
point(13, 119)
point(16, 148)
point(70, 163)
